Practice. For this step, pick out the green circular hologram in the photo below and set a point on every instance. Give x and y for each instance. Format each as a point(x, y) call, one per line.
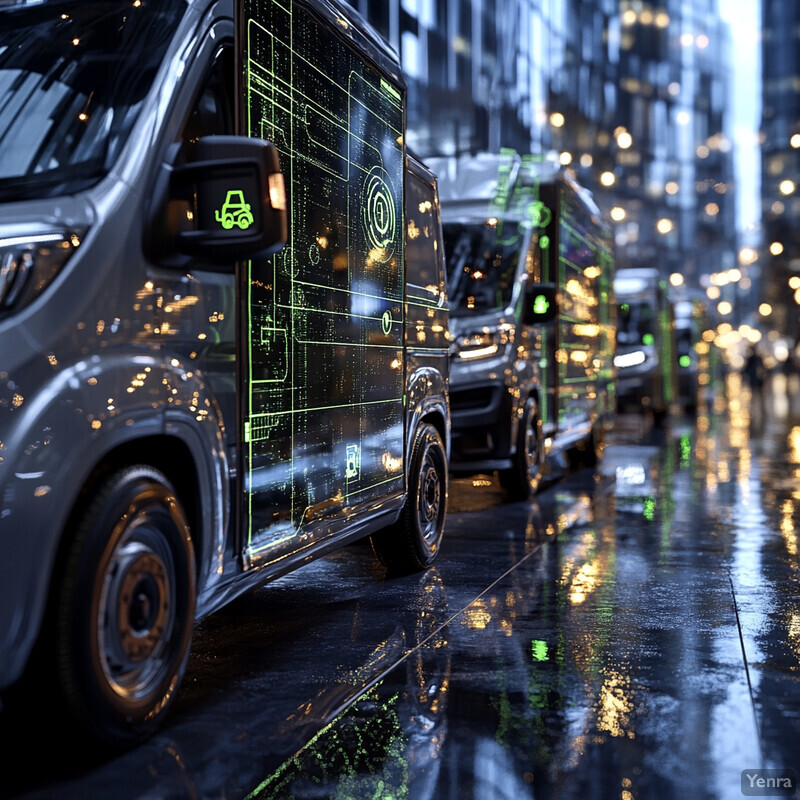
point(544, 242)
point(386, 322)
point(379, 214)
point(541, 216)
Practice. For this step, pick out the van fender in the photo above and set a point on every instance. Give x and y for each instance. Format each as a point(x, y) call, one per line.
point(426, 397)
point(70, 425)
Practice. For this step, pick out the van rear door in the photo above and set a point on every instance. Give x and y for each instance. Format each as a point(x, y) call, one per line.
point(322, 365)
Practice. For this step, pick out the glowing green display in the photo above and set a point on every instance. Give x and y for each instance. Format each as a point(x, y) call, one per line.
point(574, 253)
point(540, 304)
point(648, 339)
point(685, 361)
point(324, 317)
point(234, 211)
point(686, 449)
point(539, 650)
point(666, 330)
point(541, 216)
point(585, 269)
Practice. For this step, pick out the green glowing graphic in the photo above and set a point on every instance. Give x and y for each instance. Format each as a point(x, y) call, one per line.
point(540, 304)
point(539, 650)
point(575, 253)
point(540, 215)
point(234, 211)
point(380, 220)
point(648, 339)
point(649, 511)
point(363, 752)
point(325, 317)
point(390, 90)
point(353, 465)
point(685, 361)
point(686, 450)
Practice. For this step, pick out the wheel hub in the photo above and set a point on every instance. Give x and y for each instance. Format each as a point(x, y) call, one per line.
point(429, 506)
point(137, 611)
point(142, 591)
point(431, 491)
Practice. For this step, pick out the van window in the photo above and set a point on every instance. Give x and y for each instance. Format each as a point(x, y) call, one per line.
point(634, 322)
point(212, 113)
point(73, 77)
point(481, 258)
point(424, 251)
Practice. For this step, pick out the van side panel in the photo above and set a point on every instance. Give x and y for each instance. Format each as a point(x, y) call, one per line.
point(586, 321)
point(646, 348)
point(323, 320)
point(426, 325)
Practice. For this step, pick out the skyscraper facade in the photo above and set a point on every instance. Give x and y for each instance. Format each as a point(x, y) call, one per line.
point(780, 166)
point(629, 95)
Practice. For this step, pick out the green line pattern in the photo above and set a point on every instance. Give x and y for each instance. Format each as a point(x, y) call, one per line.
point(325, 317)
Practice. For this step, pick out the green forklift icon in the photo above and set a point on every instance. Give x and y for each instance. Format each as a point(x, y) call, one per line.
point(234, 211)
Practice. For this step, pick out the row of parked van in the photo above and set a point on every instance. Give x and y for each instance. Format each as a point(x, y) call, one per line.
point(228, 343)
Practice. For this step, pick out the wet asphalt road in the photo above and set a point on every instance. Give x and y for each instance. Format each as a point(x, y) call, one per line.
point(633, 634)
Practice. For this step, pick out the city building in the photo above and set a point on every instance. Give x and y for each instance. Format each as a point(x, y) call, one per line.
point(780, 166)
point(631, 96)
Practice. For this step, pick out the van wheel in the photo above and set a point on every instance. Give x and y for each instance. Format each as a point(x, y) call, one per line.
point(524, 478)
point(124, 612)
point(589, 452)
point(597, 445)
point(412, 543)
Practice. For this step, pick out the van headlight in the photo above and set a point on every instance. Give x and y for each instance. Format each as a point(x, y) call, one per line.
point(484, 343)
point(28, 264)
point(632, 359)
point(478, 345)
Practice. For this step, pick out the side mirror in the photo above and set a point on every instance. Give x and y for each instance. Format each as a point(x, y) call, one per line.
point(230, 201)
point(541, 304)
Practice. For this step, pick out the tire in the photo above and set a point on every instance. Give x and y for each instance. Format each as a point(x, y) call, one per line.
point(413, 542)
point(123, 615)
point(588, 453)
point(524, 478)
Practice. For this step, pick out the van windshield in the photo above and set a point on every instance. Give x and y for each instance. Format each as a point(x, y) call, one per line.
point(481, 260)
point(73, 77)
point(635, 323)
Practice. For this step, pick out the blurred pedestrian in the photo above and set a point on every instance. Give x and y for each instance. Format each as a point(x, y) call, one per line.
point(754, 371)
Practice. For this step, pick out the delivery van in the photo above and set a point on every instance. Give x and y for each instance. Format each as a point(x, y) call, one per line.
point(223, 330)
point(646, 357)
point(692, 353)
point(530, 269)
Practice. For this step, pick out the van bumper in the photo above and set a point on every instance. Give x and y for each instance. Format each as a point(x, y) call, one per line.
point(481, 417)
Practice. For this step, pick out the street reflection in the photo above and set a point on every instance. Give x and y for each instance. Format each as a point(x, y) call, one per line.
point(633, 633)
point(373, 743)
point(608, 661)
